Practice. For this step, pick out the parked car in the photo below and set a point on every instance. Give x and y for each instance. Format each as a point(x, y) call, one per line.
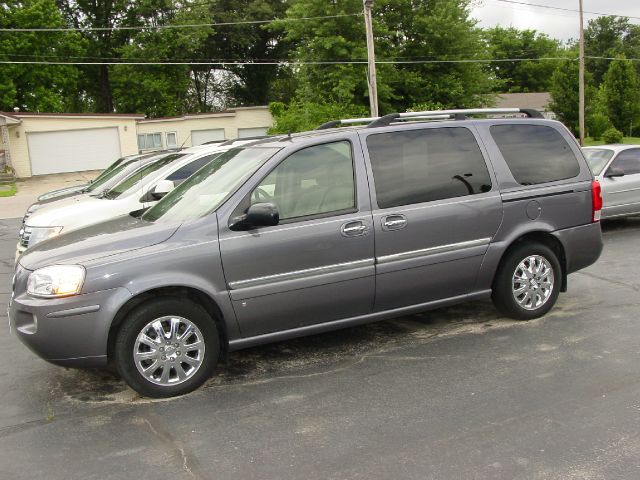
point(104, 182)
point(77, 188)
point(617, 168)
point(313, 232)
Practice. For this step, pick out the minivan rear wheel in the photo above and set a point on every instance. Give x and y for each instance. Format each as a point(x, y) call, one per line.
point(167, 347)
point(528, 281)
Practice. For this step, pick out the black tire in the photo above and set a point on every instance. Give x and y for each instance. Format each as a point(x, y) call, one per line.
point(136, 322)
point(503, 295)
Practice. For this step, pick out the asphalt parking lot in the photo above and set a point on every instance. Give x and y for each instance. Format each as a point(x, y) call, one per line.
point(456, 393)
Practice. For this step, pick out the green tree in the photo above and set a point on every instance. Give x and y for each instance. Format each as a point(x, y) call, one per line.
point(564, 94)
point(301, 116)
point(622, 95)
point(51, 88)
point(609, 37)
point(513, 77)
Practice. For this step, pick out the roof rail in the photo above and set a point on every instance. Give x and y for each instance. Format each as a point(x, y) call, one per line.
point(457, 114)
point(346, 121)
point(368, 120)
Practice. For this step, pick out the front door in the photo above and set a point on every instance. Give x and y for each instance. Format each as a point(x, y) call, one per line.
point(317, 265)
point(436, 209)
point(621, 195)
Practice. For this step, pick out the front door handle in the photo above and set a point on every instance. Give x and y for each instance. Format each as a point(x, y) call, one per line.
point(354, 229)
point(394, 222)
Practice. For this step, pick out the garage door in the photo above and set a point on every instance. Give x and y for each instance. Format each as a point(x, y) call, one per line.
point(73, 150)
point(252, 132)
point(198, 137)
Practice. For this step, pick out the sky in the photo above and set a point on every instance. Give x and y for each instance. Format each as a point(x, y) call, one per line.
point(557, 24)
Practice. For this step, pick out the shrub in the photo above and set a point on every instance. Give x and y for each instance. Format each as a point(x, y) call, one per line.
point(598, 123)
point(612, 135)
point(302, 116)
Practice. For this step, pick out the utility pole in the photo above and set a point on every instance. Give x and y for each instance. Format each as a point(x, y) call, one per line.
point(371, 56)
point(581, 79)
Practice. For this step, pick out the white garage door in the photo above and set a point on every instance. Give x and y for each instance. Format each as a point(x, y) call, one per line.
point(198, 137)
point(252, 132)
point(73, 150)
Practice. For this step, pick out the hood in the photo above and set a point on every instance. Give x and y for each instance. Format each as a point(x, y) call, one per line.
point(116, 236)
point(75, 212)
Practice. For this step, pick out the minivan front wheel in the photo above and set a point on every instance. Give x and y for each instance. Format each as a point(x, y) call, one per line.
point(167, 347)
point(528, 282)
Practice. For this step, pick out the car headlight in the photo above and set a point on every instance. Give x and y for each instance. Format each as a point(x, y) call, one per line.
point(39, 234)
point(56, 281)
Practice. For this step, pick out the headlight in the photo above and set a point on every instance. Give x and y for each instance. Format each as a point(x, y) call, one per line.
point(39, 234)
point(56, 281)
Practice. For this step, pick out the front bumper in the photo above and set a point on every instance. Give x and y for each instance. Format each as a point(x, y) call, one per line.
point(71, 331)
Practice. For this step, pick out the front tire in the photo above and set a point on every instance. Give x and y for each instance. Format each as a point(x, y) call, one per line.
point(167, 347)
point(527, 283)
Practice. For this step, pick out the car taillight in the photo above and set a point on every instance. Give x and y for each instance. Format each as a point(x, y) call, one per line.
point(596, 200)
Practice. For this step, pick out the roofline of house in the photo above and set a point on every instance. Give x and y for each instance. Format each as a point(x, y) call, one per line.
point(191, 116)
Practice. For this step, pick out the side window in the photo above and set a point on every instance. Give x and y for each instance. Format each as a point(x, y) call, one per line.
point(313, 181)
point(415, 166)
point(628, 161)
point(535, 153)
point(189, 169)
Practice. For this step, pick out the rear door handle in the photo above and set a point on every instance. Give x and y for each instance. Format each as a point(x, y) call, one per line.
point(394, 222)
point(354, 229)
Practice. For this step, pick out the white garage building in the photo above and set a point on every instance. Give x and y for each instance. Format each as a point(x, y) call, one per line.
point(47, 143)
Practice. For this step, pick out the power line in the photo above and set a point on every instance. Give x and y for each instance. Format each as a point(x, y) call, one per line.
point(165, 27)
point(290, 62)
point(564, 9)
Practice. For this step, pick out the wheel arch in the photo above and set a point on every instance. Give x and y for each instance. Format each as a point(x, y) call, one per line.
point(545, 238)
point(181, 291)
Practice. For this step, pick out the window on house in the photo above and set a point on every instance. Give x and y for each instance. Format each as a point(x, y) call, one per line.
point(172, 140)
point(148, 141)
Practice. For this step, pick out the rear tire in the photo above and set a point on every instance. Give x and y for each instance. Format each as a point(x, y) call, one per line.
point(528, 282)
point(167, 347)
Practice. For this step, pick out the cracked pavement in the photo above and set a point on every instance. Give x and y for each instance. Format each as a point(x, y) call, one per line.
point(452, 393)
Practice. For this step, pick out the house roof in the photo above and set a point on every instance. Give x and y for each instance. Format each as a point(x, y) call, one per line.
point(19, 115)
point(536, 100)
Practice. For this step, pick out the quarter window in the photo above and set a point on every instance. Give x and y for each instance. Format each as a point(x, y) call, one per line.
point(313, 181)
point(535, 153)
point(415, 166)
point(628, 161)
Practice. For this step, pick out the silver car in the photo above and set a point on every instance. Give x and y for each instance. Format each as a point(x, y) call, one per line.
point(313, 232)
point(617, 168)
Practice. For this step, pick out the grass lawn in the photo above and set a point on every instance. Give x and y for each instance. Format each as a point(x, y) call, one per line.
point(588, 142)
point(8, 190)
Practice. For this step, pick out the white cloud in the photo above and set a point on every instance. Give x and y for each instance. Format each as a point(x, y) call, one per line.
point(555, 23)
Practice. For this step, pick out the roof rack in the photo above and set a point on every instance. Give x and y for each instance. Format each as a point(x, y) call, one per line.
point(455, 114)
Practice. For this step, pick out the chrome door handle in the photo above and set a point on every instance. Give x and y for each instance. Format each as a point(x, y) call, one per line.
point(354, 229)
point(394, 222)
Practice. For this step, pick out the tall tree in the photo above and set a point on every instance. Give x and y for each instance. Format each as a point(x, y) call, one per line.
point(51, 88)
point(564, 94)
point(621, 93)
point(514, 77)
point(609, 37)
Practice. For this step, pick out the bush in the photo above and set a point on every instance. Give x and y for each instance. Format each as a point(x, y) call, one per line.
point(302, 116)
point(598, 123)
point(612, 135)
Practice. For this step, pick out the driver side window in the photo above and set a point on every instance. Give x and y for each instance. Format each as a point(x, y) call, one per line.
point(312, 181)
point(628, 161)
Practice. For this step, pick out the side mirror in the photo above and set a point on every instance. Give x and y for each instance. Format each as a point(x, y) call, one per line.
point(614, 172)
point(258, 215)
point(162, 188)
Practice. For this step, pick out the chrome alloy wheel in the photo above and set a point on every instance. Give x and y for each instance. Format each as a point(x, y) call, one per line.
point(532, 283)
point(168, 350)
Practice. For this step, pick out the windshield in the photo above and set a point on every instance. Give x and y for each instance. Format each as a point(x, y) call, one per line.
point(110, 168)
point(108, 174)
point(139, 175)
point(597, 158)
point(204, 191)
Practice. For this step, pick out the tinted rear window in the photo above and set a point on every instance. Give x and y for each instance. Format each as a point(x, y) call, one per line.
point(535, 153)
point(415, 166)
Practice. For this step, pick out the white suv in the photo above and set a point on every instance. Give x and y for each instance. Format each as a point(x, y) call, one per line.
point(141, 189)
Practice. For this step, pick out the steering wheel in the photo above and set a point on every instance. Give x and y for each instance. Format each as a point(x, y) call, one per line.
point(260, 195)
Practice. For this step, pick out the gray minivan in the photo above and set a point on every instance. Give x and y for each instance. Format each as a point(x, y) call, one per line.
point(306, 233)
